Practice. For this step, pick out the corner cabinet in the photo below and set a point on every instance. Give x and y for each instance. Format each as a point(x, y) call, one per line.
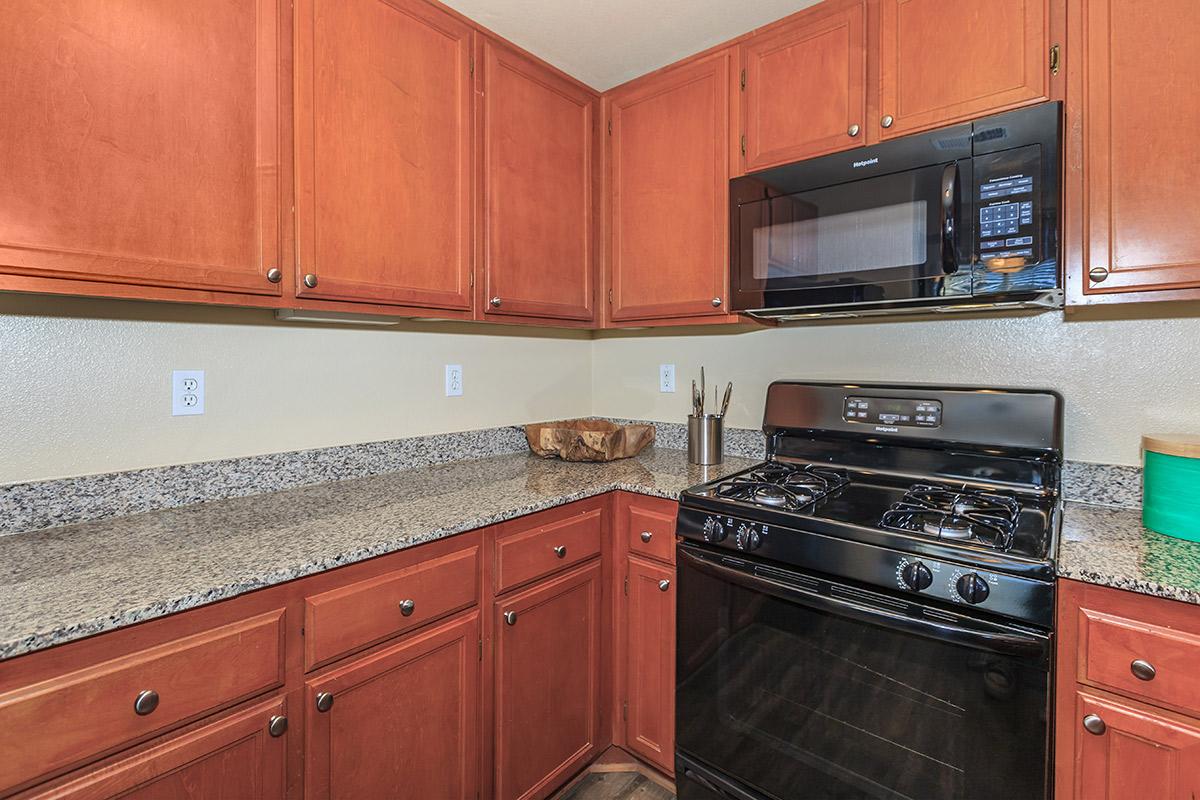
point(1131, 193)
point(668, 188)
point(537, 143)
point(383, 153)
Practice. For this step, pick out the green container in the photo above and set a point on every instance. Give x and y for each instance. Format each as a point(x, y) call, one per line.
point(1171, 486)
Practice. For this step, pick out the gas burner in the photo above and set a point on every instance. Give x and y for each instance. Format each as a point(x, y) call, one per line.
point(781, 485)
point(966, 515)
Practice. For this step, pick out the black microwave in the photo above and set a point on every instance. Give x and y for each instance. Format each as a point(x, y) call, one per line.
point(961, 218)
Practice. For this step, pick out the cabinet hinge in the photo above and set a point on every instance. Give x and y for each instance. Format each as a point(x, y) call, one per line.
point(626, 585)
point(1055, 60)
point(743, 80)
point(743, 144)
point(471, 64)
point(610, 297)
point(610, 127)
point(625, 711)
point(471, 280)
point(481, 649)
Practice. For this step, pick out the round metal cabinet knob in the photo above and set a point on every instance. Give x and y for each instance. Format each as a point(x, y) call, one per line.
point(145, 702)
point(310, 281)
point(561, 551)
point(496, 302)
point(1094, 725)
point(407, 607)
point(274, 275)
point(647, 536)
point(887, 121)
point(277, 726)
point(853, 130)
point(510, 617)
point(716, 302)
point(324, 701)
point(663, 585)
point(1098, 274)
point(1143, 670)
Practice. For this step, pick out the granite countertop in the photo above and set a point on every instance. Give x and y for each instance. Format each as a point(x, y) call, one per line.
point(65, 583)
point(1109, 546)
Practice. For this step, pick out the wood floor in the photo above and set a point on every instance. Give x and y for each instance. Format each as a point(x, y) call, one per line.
point(616, 786)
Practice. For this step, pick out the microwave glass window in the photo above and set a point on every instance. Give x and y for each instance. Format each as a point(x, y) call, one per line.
point(798, 240)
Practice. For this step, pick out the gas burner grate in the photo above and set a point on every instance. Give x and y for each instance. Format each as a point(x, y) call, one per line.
point(966, 515)
point(786, 486)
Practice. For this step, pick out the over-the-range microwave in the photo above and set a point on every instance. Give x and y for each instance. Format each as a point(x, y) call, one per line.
point(961, 218)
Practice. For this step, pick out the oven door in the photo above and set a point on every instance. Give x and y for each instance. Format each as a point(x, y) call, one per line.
point(890, 238)
point(793, 688)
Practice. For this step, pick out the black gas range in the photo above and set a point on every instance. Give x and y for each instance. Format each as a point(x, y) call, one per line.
point(873, 598)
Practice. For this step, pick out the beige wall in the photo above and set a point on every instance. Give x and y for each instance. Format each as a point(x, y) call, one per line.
point(1120, 376)
point(85, 385)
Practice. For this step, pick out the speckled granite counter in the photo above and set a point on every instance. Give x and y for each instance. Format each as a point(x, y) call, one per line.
point(60, 584)
point(1109, 546)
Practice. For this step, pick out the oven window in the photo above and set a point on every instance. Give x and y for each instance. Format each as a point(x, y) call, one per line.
point(803, 704)
point(797, 240)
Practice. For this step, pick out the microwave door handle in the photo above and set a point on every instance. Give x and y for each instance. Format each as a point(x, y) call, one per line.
point(1008, 643)
point(950, 203)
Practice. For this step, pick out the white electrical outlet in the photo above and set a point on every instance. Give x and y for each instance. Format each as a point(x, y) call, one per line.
point(187, 392)
point(666, 377)
point(454, 384)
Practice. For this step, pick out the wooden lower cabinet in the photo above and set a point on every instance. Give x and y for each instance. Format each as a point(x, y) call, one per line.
point(401, 722)
point(547, 682)
point(650, 662)
point(233, 758)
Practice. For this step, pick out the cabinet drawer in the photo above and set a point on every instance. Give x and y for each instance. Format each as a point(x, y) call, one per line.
point(70, 718)
point(352, 617)
point(527, 555)
point(1147, 661)
point(650, 528)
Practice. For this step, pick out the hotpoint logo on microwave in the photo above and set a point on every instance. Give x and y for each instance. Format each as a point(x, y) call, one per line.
point(866, 162)
point(887, 429)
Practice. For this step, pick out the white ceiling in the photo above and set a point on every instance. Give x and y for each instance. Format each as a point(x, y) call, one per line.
point(607, 42)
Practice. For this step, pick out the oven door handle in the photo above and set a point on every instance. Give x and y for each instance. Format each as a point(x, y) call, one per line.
point(950, 219)
point(1006, 642)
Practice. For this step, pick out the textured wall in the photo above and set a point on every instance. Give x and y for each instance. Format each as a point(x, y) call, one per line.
point(1120, 376)
point(85, 385)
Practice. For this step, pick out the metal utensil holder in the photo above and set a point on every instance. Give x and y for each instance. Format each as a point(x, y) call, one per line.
point(706, 439)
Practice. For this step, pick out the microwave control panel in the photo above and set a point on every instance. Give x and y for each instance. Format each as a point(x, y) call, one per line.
point(1007, 196)
point(893, 412)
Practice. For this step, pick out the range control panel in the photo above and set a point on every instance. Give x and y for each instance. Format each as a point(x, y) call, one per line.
point(1008, 198)
point(893, 411)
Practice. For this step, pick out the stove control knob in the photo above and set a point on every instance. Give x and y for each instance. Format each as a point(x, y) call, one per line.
point(916, 576)
point(747, 538)
point(714, 531)
point(972, 588)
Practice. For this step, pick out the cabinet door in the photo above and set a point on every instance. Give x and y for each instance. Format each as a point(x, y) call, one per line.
point(943, 62)
point(383, 151)
point(234, 758)
point(804, 88)
point(140, 144)
point(537, 134)
point(547, 678)
point(650, 666)
point(669, 186)
point(404, 721)
point(1140, 753)
point(1138, 195)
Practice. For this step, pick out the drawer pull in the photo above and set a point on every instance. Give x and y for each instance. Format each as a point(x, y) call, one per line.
point(407, 607)
point(277, 726)
point(146, 702)
point(663, 585)
point(1143, 670)
point(647, 536)
point(1094, 725)
point(561, 551)
point(510, 617)
point(324, 701)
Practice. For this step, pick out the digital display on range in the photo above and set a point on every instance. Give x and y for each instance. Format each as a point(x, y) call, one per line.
point(893, 411)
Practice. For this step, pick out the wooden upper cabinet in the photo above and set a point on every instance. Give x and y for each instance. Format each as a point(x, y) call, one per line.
point(537, 140)
point(1129, 179)
point(943, 62)
point(668, 160)
point(804, 86)
point(403, 721)
point(383, 153)
point(140, 146)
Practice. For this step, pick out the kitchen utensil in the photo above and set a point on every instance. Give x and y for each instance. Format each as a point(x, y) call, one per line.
point(725, 400)
point(706, 439)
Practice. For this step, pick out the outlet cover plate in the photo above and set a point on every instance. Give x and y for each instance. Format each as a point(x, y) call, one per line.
point(187, 392)
point(666, 377)
point(454, 380)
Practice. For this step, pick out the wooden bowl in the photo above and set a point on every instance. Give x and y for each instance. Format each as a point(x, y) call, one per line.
point(588, 439)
